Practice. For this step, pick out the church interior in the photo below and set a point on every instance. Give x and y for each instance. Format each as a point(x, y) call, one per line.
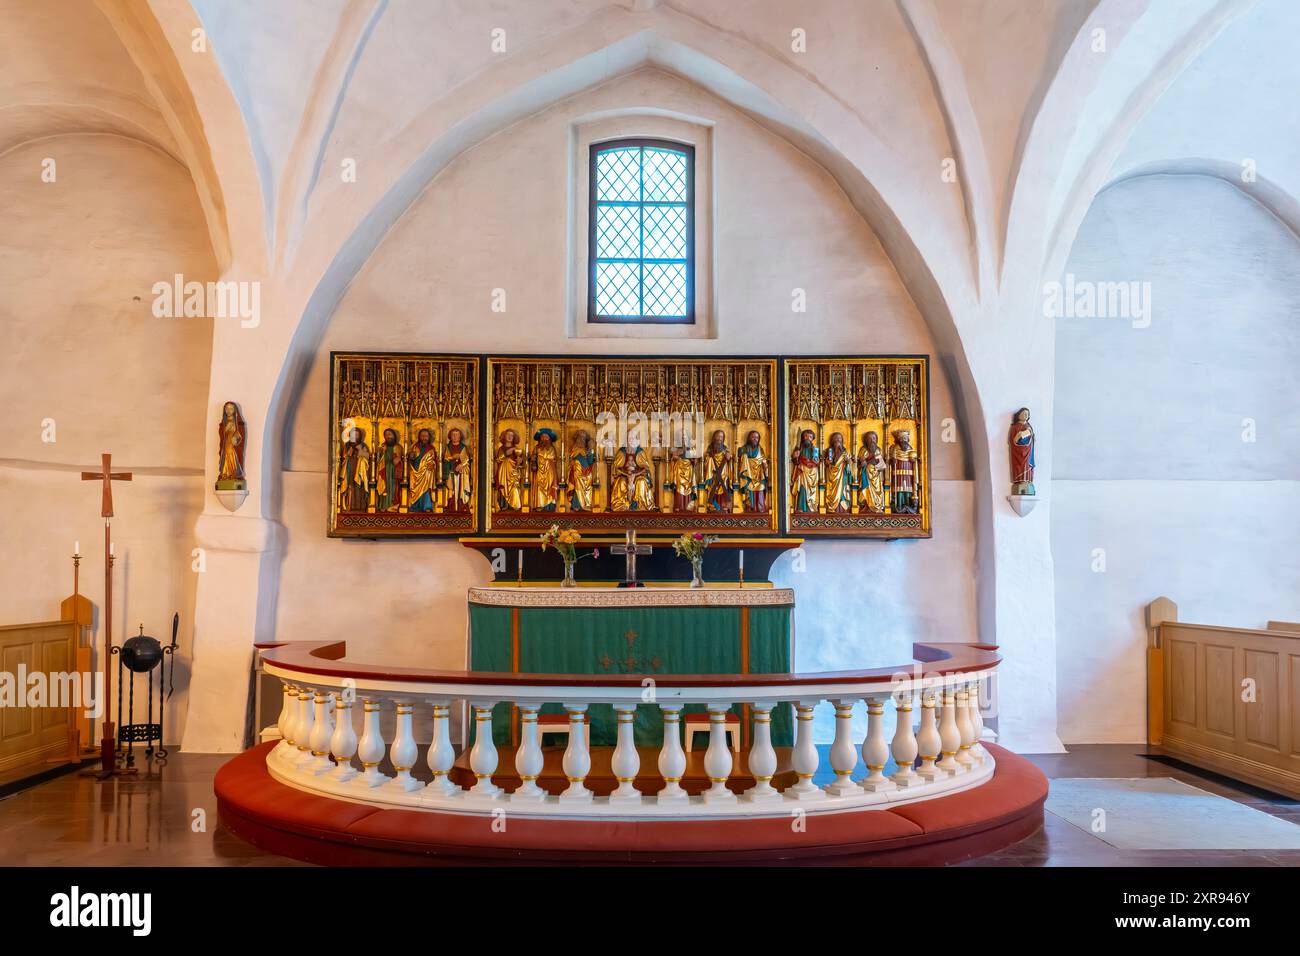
point(594, 432)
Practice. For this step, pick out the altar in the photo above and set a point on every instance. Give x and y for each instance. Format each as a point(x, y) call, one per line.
point(663, 629)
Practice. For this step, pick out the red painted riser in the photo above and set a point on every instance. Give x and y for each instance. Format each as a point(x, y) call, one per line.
point(316, 829)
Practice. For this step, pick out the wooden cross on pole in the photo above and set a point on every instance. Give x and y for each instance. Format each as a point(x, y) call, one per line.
point(107, 743)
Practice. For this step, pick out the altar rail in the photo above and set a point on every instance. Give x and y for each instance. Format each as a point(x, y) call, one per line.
point(320, 744)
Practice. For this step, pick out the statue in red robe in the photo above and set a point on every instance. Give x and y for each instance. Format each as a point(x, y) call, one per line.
point(1020, 443)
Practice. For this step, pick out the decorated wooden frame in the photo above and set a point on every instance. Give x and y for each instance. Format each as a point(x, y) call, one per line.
point(404, 445)
point(669, 445)
point(857, 457)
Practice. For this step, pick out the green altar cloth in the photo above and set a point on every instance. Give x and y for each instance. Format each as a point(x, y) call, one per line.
point(652, 630)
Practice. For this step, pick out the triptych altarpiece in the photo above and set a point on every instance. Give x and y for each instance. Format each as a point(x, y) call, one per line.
point(428, 444)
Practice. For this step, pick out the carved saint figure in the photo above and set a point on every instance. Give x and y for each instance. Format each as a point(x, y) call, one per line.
point(354, 472)
point(871, 474)
point(717, 484)
point(457, 471)
point(582, 473)
point(507, 478)
point(681, 480)
point(902, 474)
point(389, 473)
point(546, 470)
point(752, 481)
point(420, 481)
point(230, 445)
point(839, 476)
point(1021, 442)
point(804, 474)
point(632, 488)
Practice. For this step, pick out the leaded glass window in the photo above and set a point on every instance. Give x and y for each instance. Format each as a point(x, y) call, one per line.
point(642, 241)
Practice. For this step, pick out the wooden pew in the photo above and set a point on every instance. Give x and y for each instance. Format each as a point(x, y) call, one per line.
point(1226, 699)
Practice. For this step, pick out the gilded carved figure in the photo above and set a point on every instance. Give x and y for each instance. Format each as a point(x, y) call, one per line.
point(752, 481)
point(632, 488)
point(457, 472)
point(717, 483)
point(839, 476)
point(871, 474)
point(805, 473)
point(508, 474)
point(354, 472)
point(582, 473)
point(681, 480)
point(420, 483)
point(902, 473)
point(546, 470)
point(389, 473)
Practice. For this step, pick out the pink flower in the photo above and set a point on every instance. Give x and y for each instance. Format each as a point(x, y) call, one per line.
point(698, 536)
point(595, 553)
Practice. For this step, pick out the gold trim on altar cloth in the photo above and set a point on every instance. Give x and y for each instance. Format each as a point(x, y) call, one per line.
point(631, 597)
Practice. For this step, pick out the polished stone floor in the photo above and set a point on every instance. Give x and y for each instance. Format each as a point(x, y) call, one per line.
point(166, 816)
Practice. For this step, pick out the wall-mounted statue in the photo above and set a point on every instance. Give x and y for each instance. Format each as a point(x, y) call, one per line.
point(1021, 445)
point(902, 473)
point(231, 438)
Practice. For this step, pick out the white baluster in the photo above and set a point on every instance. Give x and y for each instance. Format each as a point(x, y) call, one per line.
point(717, 759)
point(286, 714)
point(977, 750)
point(403, 752)
point(964, 730)
point(528, 758)
point(844, 756)
point(904, 743)
point(321, 732)
point(483, 757)
point(928, 741)
point(371, 751)
point(442, 756)
point(875, 751)
point(762, 757)
point(626, 761)
point(805, 758)
point(289, 720)
point(577, 757)
point(949, 735)
point(672, 758)
point(344, 742)
point(306, 718)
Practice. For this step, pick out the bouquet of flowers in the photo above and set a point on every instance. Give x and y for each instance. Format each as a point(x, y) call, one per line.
point(693, 545)
point(565, 542)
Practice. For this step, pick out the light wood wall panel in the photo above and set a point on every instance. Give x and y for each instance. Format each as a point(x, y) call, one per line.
point(35, 739)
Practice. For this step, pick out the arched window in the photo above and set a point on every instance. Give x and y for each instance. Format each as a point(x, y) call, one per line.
point(642, 232)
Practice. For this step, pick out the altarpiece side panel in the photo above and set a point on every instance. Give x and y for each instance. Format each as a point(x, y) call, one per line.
point(857, 458)
point(664, 445)
point(404, 435)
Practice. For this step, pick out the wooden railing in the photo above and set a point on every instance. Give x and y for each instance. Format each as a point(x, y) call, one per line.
point(1225, 698)
point(321, 751)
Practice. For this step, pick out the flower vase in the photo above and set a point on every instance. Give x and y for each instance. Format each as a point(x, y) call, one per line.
point(569, 581)
point(697, 568)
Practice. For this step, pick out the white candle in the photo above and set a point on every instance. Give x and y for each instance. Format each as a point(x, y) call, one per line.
point(76, 547)
point(111, 546)
point(742, 560)
point(521, 562)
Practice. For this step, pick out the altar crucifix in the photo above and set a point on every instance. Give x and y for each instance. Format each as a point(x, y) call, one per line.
point(107, 744)
point(630, 549)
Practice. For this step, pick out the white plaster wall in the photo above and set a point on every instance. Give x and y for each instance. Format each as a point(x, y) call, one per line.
point(497, 218)
point(79, 345)
point(1150, 462)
